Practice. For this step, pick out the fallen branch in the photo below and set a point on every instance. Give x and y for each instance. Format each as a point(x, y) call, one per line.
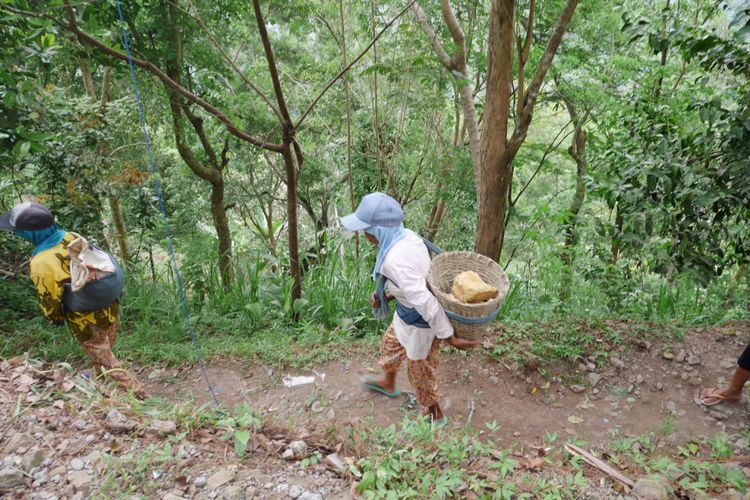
point(472, 407)
point(600, 464)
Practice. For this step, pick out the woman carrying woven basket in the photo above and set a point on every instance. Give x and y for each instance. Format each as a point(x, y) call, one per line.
point(91, 313)
point(420, 322)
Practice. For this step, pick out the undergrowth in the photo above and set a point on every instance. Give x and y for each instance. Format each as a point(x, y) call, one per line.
point(549, 312)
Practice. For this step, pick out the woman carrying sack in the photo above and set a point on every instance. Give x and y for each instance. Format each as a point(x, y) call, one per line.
point(90, 308)
point(419, 322)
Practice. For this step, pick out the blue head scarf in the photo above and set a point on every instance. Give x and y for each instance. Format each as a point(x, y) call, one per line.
point(42, 239)
point(387, 237)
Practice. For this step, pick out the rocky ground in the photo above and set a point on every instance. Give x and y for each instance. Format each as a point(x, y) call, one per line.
point(61, 441)
point(65, 436)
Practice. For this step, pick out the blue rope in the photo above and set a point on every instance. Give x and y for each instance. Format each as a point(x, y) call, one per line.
point(157, 187)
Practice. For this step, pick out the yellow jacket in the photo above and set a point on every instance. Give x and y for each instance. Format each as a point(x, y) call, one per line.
point(50, 271)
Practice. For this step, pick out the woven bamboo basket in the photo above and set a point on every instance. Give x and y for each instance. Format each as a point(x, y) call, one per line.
point(444, 268)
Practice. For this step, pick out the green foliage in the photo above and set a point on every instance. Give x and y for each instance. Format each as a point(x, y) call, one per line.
point(239, 428)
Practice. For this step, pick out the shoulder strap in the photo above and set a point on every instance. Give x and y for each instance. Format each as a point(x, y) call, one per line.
point(432, 247)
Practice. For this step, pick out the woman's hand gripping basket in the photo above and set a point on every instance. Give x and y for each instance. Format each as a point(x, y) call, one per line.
point(470, 321)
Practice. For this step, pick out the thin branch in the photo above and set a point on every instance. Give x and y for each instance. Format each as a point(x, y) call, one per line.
point(550, 148)
point(226, 57)
point(530, 96)
point(112, 153)
point(457, 34)
point(349, 66)
point(330, 29)
point(437, 45)
point(271, 64)
point(166, 80)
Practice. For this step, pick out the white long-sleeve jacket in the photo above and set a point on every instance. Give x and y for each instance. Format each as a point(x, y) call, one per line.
point(406, 267)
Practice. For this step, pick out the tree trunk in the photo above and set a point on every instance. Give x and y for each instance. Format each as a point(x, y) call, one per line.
point(213, 174)
point(88, 80)
point(495, 167)
point(492, 156)
point(664, 52)
point(347, 101)
point(221, 224)
point(103, 150)
point(577, 151)
point(379, 155)
point(291, 208)
point(121, 234)
point(436, 217)
point(615, 250)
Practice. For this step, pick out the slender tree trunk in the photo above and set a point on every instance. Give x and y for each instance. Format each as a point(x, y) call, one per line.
point(615, 249)
point(211, 174)
point(379, 159)
point(492, 155)
point(437, 212)
point(287, 144)
point(102, 150)
point(436, 217)
point(121, 234)
point(88, 79)
point(664, 52)
point(291, 208)
point(577, 151)
point(347, 101)
point(221, 224)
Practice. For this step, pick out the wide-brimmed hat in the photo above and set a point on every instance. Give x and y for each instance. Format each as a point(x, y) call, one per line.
point(27, 216)
point(375, 209)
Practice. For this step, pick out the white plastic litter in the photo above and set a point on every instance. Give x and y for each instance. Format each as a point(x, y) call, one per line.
point(290, 381)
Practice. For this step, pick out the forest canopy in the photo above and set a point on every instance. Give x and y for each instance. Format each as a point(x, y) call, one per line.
point(590, 147)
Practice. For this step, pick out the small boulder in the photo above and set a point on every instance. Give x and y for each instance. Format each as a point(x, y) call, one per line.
point(298, 448)
point(334, 461)
point(617, 363)
point(80, 480)
point(33, 458)
point(577, 388)
point(234, 492)
point(115, 417)
point(594, 379)
point(162, 427)
point(117, 422)
point(307, 495)
point(469, 288)
point(18, 443)
point(220, 479)
point(10, 478)
point(650, 489)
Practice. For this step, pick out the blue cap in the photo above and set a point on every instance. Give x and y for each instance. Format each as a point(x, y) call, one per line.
point(375, 209)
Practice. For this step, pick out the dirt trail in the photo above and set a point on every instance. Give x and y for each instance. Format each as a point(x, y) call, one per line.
point(638, 391)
